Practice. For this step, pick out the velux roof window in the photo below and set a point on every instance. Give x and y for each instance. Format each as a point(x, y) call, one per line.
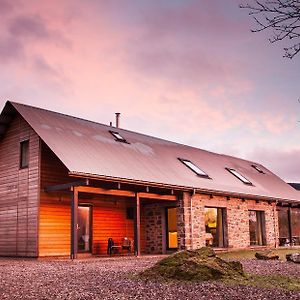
point(193, 167)
point(258, 169)
point(118, 136)
point(239, 176)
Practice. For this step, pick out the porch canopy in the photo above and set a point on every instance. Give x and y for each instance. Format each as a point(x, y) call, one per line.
point(83, 186)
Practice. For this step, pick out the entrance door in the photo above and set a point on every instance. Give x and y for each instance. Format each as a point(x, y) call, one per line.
point(84, 228)
point(172, 228)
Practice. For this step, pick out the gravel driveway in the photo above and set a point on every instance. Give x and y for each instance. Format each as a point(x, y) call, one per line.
point(112, 278)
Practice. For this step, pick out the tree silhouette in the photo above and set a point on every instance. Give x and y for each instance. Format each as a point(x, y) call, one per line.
point(283, 16)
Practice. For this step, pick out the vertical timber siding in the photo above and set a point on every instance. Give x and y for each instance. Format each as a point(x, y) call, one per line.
point(19, 192)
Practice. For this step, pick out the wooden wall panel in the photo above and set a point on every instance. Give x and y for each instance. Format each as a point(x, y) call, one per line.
point(109, 213)
point(19, 192)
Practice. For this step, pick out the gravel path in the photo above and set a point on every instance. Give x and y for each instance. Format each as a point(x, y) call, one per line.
point(113, 279)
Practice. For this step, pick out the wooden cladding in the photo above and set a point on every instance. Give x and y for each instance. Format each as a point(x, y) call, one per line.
point(108, 217)
point(19, 190)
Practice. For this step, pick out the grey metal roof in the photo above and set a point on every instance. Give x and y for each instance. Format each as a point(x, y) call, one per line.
point(86, 147)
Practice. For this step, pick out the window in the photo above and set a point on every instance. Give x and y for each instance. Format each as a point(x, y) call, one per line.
point(130, 213)
point(24, 154)
point(295, 226)
point(258, 169)
point(289, 226)
point(193, 167)
point(172, 242)
point(239, 176)
point(215, 226)
point(118, 136)
point(257, 228)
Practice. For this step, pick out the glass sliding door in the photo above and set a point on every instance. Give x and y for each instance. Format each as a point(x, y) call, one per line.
point(84, 228)
point(295, 226)
point(284, 227)
point(257, 228)
point(214, 226)
point(289, 226)
point(171, 221)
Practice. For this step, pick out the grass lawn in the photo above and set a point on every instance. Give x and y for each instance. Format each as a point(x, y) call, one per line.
point(280, 281)
point(250, 254)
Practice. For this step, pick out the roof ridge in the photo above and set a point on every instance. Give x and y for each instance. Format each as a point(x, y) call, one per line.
point(134, 132)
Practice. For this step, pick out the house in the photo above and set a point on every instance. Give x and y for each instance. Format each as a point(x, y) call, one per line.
point(67, 185)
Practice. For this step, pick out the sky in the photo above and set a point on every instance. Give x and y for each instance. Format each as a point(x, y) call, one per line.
point(184, 70)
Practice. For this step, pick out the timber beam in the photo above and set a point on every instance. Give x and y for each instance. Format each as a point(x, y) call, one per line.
point(66, 186)
point(124, 193)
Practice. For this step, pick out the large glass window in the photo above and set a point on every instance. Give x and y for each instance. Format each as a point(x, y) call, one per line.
point(84, 228)
point(172, 242)
point(214, 226)
point(289, 226)
point(295, 225)
point(257, 227)
point(284, 227)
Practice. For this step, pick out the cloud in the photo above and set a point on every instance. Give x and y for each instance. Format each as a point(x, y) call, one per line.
point(11, 49)
point(34, 27)
point(285, 163)
point(5, 7)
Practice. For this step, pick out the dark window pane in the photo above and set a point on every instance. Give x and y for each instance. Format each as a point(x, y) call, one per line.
point(130, 213)
point(295, 218)
point(283, 224)
point(257, 227)
point(24, 155)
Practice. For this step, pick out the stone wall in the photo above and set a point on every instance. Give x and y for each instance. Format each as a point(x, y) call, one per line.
point(236, 220)
point(154, 219)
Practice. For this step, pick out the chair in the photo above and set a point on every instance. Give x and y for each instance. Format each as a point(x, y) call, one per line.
point(127, 244)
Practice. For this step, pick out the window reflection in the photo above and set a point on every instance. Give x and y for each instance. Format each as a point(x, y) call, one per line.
point(214, 226)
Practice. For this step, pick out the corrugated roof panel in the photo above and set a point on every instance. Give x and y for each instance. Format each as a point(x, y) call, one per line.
point(88, 147)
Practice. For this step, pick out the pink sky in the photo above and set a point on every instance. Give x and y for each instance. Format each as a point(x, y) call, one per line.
point(187, 71)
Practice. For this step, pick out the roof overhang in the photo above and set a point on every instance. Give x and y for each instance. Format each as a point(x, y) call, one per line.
point(192, 190)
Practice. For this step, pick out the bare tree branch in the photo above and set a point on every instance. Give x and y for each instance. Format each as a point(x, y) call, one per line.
point(283, 16)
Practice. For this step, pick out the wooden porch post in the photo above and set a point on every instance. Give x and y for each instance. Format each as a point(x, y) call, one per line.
point(137, 229)
point(74, 222)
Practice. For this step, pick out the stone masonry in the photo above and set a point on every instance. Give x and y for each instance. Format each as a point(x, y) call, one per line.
point(192, 235)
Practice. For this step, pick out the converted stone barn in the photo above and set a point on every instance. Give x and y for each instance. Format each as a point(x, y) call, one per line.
point(69, 186)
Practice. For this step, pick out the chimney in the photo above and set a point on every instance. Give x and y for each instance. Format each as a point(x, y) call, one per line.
point(117, 120)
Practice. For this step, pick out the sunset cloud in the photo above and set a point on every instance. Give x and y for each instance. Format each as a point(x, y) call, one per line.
point(187, 71)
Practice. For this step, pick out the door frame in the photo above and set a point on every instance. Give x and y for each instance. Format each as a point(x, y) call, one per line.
point(167, 229)
point(90, 206)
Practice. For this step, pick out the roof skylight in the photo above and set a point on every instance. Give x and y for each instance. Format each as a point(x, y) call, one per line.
point(193, 167)
point(118, 136)
point(258, 169)
point(239, 176)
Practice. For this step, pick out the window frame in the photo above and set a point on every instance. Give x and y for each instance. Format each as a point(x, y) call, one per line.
point(186, 162)
point(260, 228)
point(221, 214)
point(239, 176)
point(258, 169)
point(118, 137)
point(22, 144)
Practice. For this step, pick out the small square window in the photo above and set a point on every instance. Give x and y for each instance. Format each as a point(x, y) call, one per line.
point(24, 154)
point(118, 136)
point(258, 169)
point(193, 167)
point(239, 176)
point(130, 213)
